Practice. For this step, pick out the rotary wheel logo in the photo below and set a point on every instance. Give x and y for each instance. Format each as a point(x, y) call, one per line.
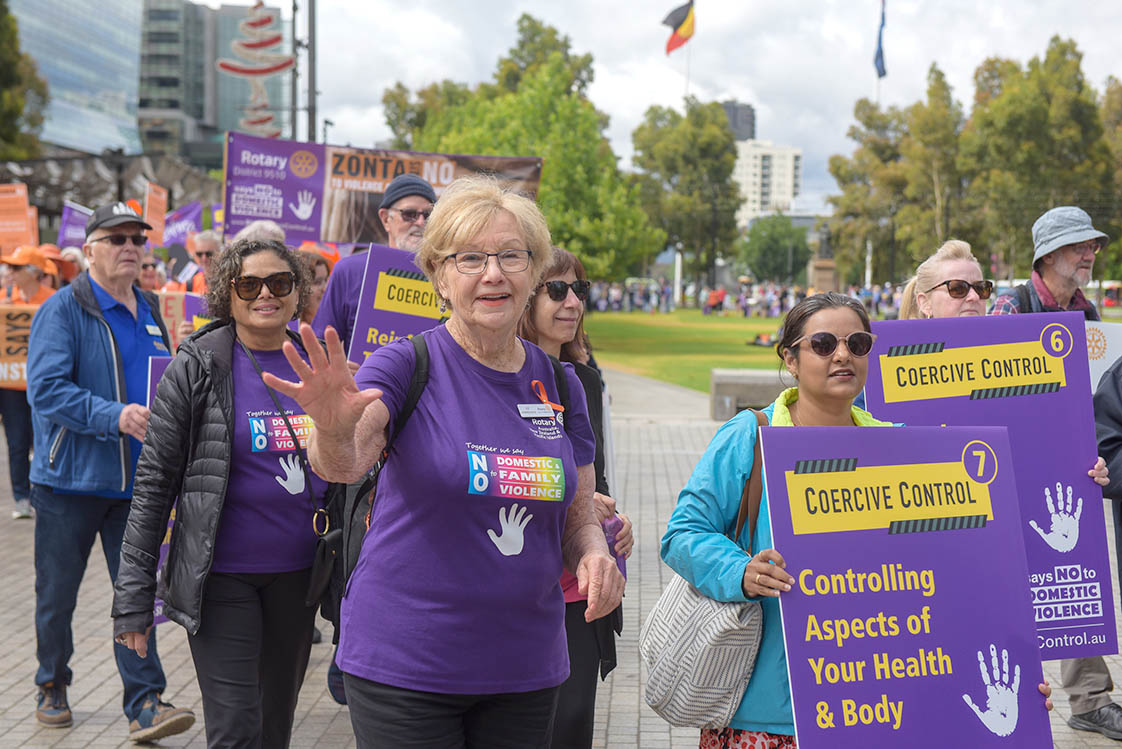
point(1096, 344)
point(303, 164)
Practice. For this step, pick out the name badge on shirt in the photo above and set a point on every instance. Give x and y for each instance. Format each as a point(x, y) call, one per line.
point(153, 330)
point(535, 411)
point(159, 346)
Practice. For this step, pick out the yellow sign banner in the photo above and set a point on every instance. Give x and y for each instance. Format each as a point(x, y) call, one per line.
point(872, 497)
point(407, 295)
point(15, 330)
point(970, 371)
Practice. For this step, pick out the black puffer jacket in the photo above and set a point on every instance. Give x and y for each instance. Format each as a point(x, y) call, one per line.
point(186, 454)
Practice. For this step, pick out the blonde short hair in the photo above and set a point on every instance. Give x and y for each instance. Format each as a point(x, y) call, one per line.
point(464, 212)
point(927, 275)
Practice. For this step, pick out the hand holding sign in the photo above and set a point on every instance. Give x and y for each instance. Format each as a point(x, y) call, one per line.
point(1000, 716)
point(1064, 533)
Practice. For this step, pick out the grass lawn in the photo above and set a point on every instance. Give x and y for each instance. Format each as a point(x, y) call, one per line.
point(680, 347)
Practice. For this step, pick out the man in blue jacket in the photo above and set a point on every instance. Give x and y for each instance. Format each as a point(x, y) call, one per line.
point(87, 372)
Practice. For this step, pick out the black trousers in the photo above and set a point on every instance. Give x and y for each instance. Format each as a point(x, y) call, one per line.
point(576, 702)
point(250, 655)
point(385, 717)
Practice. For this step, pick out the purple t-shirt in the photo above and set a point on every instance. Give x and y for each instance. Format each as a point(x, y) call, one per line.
point(339, 305)
point(457, 587)
point(266, 522)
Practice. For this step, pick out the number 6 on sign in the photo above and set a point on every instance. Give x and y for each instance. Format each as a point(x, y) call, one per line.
point(979, 462)
point(1056, 340)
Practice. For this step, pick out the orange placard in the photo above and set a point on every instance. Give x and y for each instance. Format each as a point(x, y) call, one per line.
point(15, 328)
point(155, 210)
point(33, 224)
point(14, 226)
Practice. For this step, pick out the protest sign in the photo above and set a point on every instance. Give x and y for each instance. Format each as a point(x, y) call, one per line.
point(332, 193)
point(155, 213)
point(156, 367)
point(33, 224)
point(15, 328)
point(14, 226)
point(177, 306)
point(1029, 373)
point(182, 222)
point(216, 217)
point(905, 545)
point(1104, 347)
point(396, 301)
point(72, 225)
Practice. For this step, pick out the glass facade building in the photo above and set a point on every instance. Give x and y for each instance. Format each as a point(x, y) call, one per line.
point(89, 53)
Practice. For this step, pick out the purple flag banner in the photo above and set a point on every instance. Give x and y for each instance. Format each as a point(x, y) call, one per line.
point(216, 217)
point(909, 623)
point(397, 301)
point(72, 225)
point(187, 219)
point(1028, 373)
point(332, 193)
point(156, 367)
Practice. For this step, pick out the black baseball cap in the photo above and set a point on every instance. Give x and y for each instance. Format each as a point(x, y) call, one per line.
point(111, 215)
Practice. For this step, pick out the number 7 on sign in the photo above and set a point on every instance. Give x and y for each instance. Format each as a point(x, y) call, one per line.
point(981, 456)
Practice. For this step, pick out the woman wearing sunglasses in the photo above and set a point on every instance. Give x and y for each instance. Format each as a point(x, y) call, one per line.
point(554, 321)
point(242, 545)
point(947, 284)
point(825, 347)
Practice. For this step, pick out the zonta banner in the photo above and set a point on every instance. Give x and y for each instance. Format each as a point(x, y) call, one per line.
point(327, 193)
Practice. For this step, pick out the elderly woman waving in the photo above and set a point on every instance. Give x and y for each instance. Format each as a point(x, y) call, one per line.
point(452, 627)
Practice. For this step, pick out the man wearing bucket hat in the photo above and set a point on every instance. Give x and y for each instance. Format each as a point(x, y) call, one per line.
point(1065, 246)
point(87, 374)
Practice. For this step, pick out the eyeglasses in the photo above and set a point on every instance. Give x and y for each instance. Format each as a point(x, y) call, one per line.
point(148, 266)
point(558, 290)
point(958, 289)
point(280, 284)
point(199, 253)
point(118, 240)
point(472, 263)
point(409, 216)
point(859, 343)
point(1093, 245)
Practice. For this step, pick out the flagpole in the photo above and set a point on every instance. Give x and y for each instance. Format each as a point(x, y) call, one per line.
point(689, 55)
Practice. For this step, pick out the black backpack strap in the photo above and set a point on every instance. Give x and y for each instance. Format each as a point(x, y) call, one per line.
point(416, 386)
point(1024, 299)
point(562, 384)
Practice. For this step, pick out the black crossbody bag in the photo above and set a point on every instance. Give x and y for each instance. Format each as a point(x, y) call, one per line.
point(329, 541)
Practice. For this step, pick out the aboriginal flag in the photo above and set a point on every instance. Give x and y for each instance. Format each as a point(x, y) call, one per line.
point(681, 20)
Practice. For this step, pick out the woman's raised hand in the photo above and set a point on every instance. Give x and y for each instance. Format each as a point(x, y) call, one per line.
point(326, 391)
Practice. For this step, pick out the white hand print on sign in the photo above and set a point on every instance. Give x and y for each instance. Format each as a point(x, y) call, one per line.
point(1000, 716)
point(511, 526)
point(1064, 533)
point(307, 203)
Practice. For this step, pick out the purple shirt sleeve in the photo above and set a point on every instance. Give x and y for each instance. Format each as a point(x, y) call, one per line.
point(340, 299)
point(577, 425)
point(390, 369)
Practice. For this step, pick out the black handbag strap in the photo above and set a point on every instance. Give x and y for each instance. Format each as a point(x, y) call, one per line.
point(304, 464)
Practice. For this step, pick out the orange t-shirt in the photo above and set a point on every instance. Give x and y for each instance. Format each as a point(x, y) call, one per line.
point(13, 295)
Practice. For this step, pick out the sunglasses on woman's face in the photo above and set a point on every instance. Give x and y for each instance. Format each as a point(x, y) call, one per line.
point(958, 289)
point(859, 343)
point(280, 284)
point(558, 290)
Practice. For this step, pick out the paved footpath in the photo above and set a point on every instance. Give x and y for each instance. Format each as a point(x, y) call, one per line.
point(660, 432)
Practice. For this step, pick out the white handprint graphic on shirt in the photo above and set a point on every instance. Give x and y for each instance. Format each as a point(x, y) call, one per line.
point(307, 202)
point(511, 525)
point(1000, 716)
point(1064, 533)
point(293, 481)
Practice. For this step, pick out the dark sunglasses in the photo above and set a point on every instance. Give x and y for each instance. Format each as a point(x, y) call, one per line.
point(558, 290)
point(118, 240)
point(205, 254)
point(148, 266)
point(859, 343)
point(280, 284)
point(409, 216)
point(958, 289)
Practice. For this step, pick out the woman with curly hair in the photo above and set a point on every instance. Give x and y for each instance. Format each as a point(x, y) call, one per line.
point(232, 450)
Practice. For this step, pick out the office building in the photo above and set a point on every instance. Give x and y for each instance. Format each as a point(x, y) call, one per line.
point(769, 176)
point(89, 53)
point(742, 119)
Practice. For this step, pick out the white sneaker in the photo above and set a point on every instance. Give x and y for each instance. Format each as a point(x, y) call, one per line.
point(23, 509)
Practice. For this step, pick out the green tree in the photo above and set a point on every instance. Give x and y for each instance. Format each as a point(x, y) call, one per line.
point(686, 163)
point(591, 208)
point(23, 94)
point(406, 113)
point(872, 183)
point(537, 43)
point(775, 249)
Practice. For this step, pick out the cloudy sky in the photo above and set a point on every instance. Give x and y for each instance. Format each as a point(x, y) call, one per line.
point(801, 63)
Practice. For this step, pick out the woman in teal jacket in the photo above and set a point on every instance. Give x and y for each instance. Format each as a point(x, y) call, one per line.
point(825, 346)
